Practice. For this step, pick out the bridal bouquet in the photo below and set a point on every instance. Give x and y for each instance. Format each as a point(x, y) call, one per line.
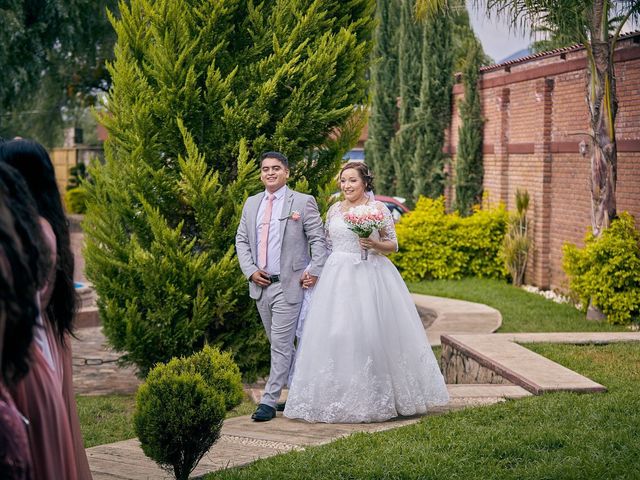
point(363, 220)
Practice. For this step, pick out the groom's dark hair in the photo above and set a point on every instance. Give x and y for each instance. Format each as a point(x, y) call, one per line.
point(277, 155)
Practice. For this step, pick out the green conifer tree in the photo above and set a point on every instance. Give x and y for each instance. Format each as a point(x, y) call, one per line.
point(409, 80)
point(469, 167)
point(434, 113)
point(384, 95)
point(199, 90)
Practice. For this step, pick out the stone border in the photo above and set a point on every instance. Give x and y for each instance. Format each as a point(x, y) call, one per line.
point(499, 358)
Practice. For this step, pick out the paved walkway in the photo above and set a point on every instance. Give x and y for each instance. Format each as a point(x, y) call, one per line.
point(97, 373)
point(95, 367)
point(457, 316)
point(513, 372)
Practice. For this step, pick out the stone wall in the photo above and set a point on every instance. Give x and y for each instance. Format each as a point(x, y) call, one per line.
point(458, 367)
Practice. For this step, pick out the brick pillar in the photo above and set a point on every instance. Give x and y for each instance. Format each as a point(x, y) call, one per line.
point(500, 146)
point(542, 150)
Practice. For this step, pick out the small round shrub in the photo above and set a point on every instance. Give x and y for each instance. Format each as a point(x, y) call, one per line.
point(219, 371)
point(181, 406)
point(607, 270)
point(76, 200)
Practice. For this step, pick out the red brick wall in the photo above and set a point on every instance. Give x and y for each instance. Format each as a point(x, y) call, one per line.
point(535, 118)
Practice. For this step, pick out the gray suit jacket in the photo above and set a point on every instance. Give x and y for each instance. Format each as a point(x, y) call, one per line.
point(302, 242)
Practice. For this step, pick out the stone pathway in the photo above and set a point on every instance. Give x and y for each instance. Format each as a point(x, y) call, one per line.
point(243, 441)
point(457, 316)
point(95, 367)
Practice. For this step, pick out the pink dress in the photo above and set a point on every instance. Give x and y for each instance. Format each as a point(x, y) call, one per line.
point(15, 460)
point(45, 397)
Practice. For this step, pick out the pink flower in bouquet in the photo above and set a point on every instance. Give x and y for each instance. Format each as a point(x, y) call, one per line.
point(363, 220)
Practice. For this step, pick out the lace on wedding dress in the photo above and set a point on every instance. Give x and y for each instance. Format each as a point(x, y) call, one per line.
point(413, 387)
point(344, 238)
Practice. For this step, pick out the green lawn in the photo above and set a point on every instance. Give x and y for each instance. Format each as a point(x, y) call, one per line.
point(554, 436)
point(106, 418)
point(109, 418)
point(521, 311)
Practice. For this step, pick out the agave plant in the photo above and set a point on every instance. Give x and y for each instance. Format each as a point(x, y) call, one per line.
point(517, 241)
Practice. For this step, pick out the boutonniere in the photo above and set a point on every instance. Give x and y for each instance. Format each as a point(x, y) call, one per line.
point(293, 215)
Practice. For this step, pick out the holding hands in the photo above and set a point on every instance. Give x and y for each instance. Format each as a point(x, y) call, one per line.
point(262, 278)
point(307, 280)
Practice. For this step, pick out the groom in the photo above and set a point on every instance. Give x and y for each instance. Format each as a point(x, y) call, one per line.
point(280, 233)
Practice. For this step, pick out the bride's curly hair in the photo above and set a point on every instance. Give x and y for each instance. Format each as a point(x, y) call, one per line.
point(363, 171)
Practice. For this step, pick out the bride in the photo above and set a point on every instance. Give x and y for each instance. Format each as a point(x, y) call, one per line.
point(364, 355)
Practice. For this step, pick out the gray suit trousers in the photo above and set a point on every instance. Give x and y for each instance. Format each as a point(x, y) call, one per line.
point(280, 320)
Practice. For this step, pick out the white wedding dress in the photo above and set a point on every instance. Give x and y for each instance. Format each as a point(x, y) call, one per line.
point(364, 354)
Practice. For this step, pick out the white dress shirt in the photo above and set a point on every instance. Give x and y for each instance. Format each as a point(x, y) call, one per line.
point(273, 247)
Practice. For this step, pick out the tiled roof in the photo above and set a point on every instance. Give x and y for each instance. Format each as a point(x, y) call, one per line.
point(549, 53)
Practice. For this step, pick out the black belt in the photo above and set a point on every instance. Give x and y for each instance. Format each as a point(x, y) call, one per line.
point(274, 278)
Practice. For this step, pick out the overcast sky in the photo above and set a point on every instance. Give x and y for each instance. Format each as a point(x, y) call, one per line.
point(497, 40)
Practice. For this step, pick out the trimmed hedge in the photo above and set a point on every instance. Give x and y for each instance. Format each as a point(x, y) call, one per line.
point(435, 244)
point(607, 270)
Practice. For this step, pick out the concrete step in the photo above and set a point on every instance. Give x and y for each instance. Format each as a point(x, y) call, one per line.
point(487, 390)
point(509, 362)
point(87, 317)
point(456, 391)
point(574, 338)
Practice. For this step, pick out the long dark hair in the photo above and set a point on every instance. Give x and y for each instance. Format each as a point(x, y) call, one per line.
point(17, 300)
point(33, 162)
point(25, 216)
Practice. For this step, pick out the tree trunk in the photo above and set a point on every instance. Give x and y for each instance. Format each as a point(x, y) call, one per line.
point(601, 97)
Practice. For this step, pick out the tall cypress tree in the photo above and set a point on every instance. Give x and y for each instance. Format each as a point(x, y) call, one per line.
point(434, 114)
point(384, 95)
point(403, 145)
point(199, 89)
point(469, 167)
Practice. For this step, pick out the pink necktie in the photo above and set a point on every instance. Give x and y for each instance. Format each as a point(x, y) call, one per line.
point(264, 233)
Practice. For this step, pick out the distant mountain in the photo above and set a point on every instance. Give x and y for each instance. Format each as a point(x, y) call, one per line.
point(519, 54)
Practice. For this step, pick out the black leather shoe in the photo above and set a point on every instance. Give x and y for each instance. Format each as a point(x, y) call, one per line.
point(280, 406)
point(264, 413)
